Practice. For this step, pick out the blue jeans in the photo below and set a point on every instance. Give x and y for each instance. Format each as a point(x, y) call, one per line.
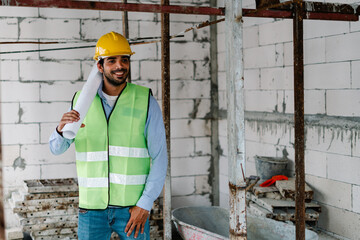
point(99, 224)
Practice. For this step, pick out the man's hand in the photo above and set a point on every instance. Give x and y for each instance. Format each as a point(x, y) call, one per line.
point(69, 117)
point(138, 217)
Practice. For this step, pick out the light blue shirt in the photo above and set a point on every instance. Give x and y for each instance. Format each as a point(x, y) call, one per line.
point(156, 142)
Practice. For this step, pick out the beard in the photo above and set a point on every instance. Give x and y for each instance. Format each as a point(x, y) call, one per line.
point(116, 81)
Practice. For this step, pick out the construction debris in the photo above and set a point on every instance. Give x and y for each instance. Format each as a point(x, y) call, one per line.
point(278, 202)
point(287, 189)
point(49, 210)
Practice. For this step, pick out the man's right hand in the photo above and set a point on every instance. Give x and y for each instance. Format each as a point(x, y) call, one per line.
point(69, 117)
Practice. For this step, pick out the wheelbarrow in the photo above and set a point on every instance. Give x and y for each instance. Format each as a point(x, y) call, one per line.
point(212, 223)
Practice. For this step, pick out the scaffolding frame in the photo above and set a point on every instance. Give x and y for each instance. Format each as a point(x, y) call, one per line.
point(298, 10)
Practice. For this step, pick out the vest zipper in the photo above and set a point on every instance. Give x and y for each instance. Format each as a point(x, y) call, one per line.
point(108, 145)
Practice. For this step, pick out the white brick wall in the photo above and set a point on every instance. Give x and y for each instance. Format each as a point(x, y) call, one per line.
point(327, 76)
point(330, 192)
point(342, 222)
point(49, 28)
point(19, 12)
point(343, 164)
point(341, 48)
point(259, 57)
point(34, 112)
point(343, 103)
point(9, 70)
point(9, 154)
point(49, 71)
point(59, 91)
point(189, 166)
point(20, 133)
point(9, 27)
point(276, 32)
point(182, 186)
point(356, 197)
point(355, 74)
point(25, 92)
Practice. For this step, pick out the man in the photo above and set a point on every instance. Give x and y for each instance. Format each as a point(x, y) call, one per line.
point(122, 131)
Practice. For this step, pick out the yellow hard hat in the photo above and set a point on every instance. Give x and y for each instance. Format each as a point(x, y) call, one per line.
point(112, 44)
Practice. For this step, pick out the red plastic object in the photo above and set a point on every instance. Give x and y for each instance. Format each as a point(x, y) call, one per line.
point(272, 180)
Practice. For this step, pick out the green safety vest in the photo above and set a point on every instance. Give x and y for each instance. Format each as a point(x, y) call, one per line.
point(112, 159)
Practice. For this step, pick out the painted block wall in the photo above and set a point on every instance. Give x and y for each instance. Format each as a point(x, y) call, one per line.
point(37, 87)
point(332, 77)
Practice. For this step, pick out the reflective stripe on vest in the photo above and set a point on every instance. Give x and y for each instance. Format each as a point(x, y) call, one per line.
point(113, 151)
point(111, 155)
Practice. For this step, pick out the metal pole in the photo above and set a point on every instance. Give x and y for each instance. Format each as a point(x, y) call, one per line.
point(125, 27)
point(2, 213)
point(235, 118)
point(165, 84)
point(299, 118)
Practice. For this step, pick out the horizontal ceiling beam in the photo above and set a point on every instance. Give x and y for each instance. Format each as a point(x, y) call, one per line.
point(317, 11)
point(116, 6)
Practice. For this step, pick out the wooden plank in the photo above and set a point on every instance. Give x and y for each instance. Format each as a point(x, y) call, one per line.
point(271, 204)
point(51, 185)
point(55, 232)
point(53, 202)
point(48, 220)
point(52, 213)
point(282, 214)
point(51, 195)
point(47, 226)
point(72, 236)
point(65, 204)
point(260, 191)
point(259, 211)
point(287, 189)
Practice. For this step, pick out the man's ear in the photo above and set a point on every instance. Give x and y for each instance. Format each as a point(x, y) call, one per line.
point(100, 67)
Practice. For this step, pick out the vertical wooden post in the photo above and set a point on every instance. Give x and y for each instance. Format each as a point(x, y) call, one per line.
point(125, 27)
point(2, 213)
point(214, 92)
point(299, 118)
point(165, 84)
point(235, 118)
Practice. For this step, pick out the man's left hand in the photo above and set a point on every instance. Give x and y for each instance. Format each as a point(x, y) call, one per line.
point(138, 217)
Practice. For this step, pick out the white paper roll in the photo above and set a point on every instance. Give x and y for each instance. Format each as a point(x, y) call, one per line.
point(84, 101)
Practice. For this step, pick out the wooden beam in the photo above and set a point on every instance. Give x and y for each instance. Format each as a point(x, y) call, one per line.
point(165, 92)
point(320, 11)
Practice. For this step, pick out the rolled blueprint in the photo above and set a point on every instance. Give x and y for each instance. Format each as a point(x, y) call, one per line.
point(84, 101)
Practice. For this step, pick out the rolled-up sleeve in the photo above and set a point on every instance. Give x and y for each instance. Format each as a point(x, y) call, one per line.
point(58, 144)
